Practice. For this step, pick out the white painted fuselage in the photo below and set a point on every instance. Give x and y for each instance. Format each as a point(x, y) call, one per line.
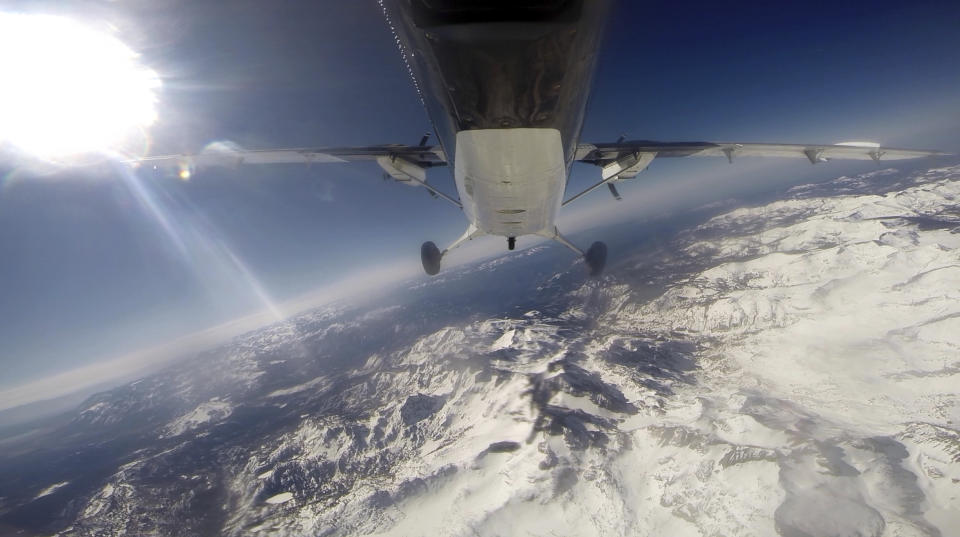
point(510, 181)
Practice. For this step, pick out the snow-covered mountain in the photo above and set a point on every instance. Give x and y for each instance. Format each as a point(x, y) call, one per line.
point(789, 368)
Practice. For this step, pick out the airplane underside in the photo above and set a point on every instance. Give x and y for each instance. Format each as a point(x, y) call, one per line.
point(511, 183)
point(505, 84)
point(506, 87)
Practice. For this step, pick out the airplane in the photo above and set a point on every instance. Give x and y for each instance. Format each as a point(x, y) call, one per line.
point(505, 84)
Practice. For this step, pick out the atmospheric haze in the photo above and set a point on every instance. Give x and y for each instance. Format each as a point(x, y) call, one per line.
point(786, 368)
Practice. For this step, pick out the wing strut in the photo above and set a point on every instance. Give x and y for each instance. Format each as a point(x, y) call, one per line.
point(625, 167)
point(595, 256)
point(436, 192)
point(606, 181)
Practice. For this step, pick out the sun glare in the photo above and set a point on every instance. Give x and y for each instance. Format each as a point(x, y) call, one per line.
point(68, 89)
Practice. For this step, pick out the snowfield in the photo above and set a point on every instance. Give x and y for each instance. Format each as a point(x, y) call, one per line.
point(823, 399)
point(791, 369)
point(210, 411)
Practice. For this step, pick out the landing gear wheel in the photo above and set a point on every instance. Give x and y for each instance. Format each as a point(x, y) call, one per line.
point(430, 257)
point(596, 258)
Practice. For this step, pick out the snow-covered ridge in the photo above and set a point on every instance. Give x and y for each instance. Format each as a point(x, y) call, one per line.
point(797, 375)
point(207, 412)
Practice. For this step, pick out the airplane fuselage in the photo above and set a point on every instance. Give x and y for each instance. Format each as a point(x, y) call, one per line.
point(506, 86)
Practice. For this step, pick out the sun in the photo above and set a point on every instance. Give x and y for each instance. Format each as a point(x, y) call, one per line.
point(68, 89)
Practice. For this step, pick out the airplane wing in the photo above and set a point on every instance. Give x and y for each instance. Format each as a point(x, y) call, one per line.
point(625, 159)
point(406, 164)
point(420, 155)
point(608, 153)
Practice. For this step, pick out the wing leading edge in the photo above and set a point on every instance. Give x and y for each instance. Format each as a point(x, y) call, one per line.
point(625, 159)
point(423, 156)
point(406, 164)
point(619, 160)
point(603, 154)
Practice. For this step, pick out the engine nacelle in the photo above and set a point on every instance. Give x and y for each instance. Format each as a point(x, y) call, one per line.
point(403, 171)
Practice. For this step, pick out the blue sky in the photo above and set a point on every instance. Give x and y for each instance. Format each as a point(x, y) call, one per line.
point(88, 272)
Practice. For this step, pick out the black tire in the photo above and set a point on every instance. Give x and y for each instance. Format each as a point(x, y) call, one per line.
point(430, 257)
point(596, 258)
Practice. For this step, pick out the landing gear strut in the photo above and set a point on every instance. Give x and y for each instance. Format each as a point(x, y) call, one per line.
point(431, 256)
point(595, 257)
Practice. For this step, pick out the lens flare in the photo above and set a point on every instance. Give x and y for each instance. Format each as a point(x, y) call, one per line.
point(199, 245)
point(68, 89)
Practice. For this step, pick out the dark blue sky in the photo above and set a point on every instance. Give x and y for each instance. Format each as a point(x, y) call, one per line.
point(88, 272)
